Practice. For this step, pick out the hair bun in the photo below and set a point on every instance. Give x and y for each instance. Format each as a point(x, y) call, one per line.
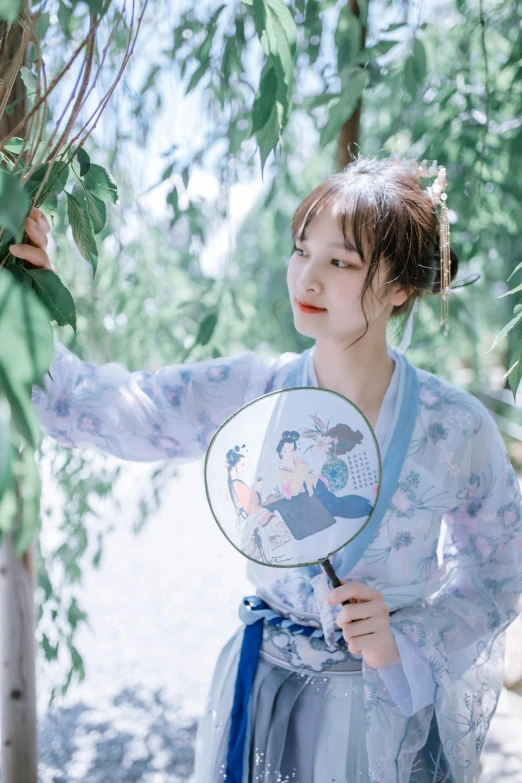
point(435, 288)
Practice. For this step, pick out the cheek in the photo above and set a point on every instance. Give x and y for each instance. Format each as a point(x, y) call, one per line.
point(346, 290)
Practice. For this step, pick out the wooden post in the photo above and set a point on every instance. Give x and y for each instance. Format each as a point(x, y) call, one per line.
point(19, 748)
point(17, 656)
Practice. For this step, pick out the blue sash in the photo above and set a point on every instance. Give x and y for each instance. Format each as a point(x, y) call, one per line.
point(401, 427)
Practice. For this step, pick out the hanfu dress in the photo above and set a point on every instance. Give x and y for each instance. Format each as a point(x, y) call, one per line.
point(443, 546)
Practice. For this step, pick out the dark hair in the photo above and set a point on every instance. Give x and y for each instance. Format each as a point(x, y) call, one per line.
point(392, 218)
point(289, 436)
point(233, 456)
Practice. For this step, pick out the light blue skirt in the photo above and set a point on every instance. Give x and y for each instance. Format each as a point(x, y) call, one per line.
point(303, 727)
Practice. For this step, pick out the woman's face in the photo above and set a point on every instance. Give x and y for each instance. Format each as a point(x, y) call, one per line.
point(325, 273)
point(287, 450)
point(240, 466)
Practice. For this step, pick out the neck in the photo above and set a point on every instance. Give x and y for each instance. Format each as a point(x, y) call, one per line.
point(362, 373)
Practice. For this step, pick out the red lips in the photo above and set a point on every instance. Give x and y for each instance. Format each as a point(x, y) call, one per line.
point(305, 307)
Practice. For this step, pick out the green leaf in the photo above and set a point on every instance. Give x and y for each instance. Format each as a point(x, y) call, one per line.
point(29, 79)
point(19, 398)
point(82, 230)
point(515, 371)
point(265, 99)
point(16, 145)
point(506, 330)
point(99, 181)
point(196, 77)
point(515, 270)
point(95, 6)
point(29, 488)
point(419, 61)
point(268, 136)
point(258, 12)
point(83, 159)
point(55, 296)
point(5, 445)
point(64, 17)
point(14, 204)
point(50, 652)
point(9, 10)
point(173, 200)
point(75, 615)
point(77, 661)
point(42, 24)
point(26, 347)
point(348, 38)
point(206, 330)
point(281, 37)
point(94, 206)
point(409, 76)
point(513, 291)
point(54, 185)
point(151, 78)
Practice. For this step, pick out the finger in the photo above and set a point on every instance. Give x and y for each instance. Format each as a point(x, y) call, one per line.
point(35, 233)
point(350, 591)
point(35, 255)
point(362, 627)
point(39, 216)
point(370, 641)
point(361, 611)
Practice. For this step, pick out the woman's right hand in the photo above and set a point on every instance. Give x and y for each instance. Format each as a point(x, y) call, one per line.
point(36, 227)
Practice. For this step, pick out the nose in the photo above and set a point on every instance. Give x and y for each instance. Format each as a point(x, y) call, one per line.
point(309, 279)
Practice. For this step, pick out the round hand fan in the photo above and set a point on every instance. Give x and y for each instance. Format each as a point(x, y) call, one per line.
point(293, 476)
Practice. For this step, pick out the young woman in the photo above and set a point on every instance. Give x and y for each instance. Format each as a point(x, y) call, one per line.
point(404, 687)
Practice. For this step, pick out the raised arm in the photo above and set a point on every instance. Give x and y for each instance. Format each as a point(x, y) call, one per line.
point(168, 414)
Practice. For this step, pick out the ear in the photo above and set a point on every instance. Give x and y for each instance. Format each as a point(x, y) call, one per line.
point(399, 295)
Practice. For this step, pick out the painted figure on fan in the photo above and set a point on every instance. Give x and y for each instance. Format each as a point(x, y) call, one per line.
point(262, 531)
point(307, 504)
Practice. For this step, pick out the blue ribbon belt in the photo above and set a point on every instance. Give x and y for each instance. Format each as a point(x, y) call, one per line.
point(248, 658)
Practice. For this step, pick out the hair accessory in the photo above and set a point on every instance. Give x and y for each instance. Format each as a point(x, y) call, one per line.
point(437, 192)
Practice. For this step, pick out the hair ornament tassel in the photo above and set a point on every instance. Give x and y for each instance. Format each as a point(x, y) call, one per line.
point(437, 192)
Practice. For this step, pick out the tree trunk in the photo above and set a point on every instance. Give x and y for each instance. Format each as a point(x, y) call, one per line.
point(19, 750)
point(18, 697)
point(349, 132)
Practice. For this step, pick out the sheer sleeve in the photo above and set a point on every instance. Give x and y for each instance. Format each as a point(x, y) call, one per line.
point(410, 682)
point(478, 595)
point(171, 413)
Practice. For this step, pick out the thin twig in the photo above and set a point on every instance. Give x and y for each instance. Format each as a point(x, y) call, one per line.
point(486, 85)
point(46, 94)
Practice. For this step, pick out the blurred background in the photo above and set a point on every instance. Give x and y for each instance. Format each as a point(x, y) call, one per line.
point(138, 591)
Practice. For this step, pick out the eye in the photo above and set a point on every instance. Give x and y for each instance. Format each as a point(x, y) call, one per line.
point(337, 262)
point(296, 249)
